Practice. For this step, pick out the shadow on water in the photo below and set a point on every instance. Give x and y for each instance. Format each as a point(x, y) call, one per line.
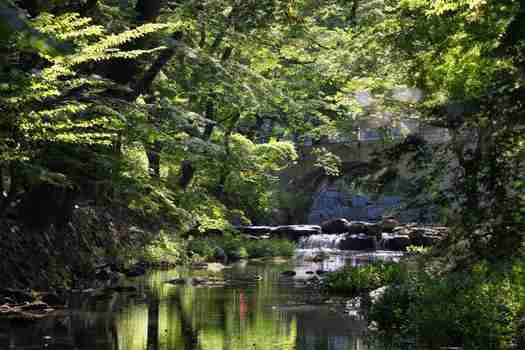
point(275, 312)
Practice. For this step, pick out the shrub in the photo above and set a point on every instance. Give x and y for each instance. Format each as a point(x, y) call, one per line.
point(237, 247)
point(474, 309)
point(163, 250)
point(360, 279)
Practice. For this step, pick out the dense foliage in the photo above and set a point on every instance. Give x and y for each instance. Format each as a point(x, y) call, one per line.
point(237, 247)
point(479, 308)
point(184, 113)
point(359, 280)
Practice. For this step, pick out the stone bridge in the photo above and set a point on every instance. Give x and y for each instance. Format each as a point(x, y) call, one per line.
point(327, 199)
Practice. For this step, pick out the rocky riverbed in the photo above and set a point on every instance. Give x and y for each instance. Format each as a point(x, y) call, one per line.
point(353, 235)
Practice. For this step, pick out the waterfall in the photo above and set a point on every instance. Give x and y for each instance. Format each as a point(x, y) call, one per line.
point(321, 241)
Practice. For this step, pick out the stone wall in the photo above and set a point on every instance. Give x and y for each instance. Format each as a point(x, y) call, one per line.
point(330, 202)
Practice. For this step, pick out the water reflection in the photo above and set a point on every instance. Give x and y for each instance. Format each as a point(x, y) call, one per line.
point(272, 313)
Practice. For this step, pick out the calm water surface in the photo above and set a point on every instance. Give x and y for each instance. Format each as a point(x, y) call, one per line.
point(275, 312)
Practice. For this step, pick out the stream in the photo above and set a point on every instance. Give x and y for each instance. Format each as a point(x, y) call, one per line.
point(259, 308)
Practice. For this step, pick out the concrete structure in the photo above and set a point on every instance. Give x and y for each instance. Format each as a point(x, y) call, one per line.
point(328, 200)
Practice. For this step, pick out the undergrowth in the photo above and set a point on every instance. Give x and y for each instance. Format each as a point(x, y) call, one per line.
point(354, 280)
point(238, 247)
point(479, 308)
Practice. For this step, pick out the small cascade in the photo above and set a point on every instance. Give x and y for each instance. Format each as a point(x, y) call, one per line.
point(322, 241)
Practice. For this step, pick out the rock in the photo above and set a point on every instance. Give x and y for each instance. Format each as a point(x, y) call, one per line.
point(177, 281)
point(335, 226)
point(199, 266)
point(389, 224)
point(368, 228)
point(294, 232)
point(314, 280)
point(377, 294)
point(320, 257)
point(257, 230)
point(19, 315)
point(220, 255)
point(373, 229)
point(36, 306)
point(358, 242)
point(213, 232)
point(288, 273)
point(424, 236)
point(357, 227)
point(198, 280)
point(52, 299)
point(16, 295)
point(395, 242)
point(215, 267)
point(136, 271)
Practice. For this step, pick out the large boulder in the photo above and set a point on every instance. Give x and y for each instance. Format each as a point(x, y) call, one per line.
point(257, 230)
point(424, 236)
point(335, 226)
point(389, 224)
point(358, 242)
point(395, 242)
point(377, 294)
point(372, 229)
point(294, 232)
point(16, 296)
point(357, 227)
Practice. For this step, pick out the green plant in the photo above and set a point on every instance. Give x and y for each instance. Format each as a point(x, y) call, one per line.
point(474, 309)
point(413, 249)
point(237, 247)
point(356, 280)
point(163, 250)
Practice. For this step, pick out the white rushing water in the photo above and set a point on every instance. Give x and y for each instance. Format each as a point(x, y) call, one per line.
point(322, 241)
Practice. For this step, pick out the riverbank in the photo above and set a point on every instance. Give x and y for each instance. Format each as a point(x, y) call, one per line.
point(73, 256)
point(68, 256)
point(415, 303)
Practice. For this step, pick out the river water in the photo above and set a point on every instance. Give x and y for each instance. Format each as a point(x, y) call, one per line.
point(257, 309)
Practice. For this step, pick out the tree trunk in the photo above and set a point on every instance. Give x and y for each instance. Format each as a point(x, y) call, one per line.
point(31, 6)
point(225, 169)
point(148, 10)
point(353, 12)
point(153, 153)
point(186, 174)
point(14, 179)
point(144, 85)
point(2, 189)
point(187, 168)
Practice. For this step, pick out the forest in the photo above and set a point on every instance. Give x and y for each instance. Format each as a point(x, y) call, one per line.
point(151, 132)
